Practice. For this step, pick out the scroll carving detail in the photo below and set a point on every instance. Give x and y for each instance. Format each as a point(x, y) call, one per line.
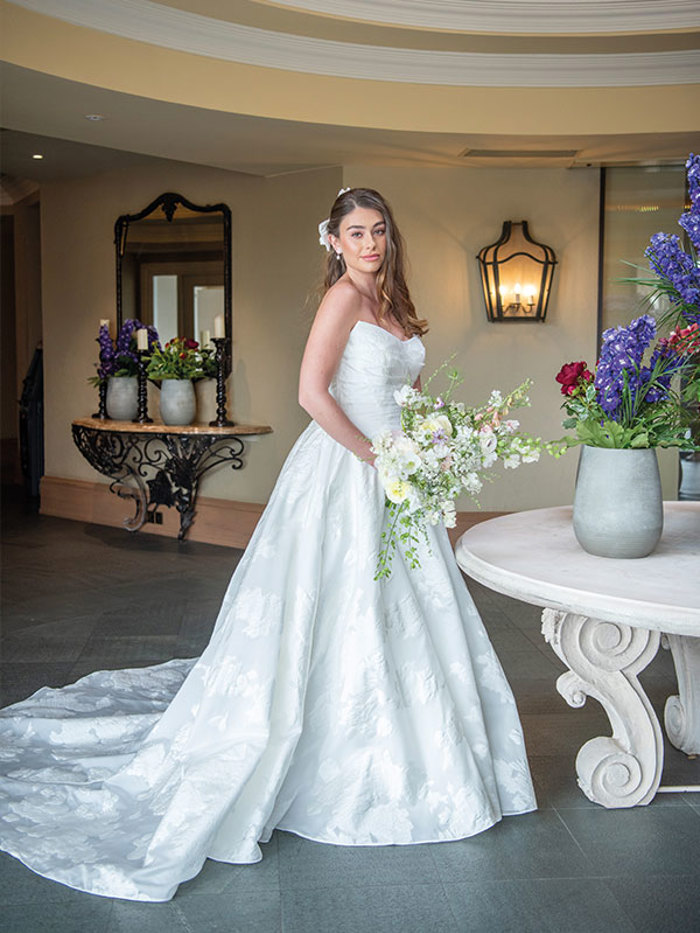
point(604, 660)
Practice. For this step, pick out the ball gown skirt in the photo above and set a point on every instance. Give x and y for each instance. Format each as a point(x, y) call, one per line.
point(340, 708)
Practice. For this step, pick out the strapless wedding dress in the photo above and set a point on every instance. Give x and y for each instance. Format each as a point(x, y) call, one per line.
point(342, 709)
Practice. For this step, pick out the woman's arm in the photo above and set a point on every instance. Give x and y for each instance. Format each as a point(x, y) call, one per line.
point(335, 318)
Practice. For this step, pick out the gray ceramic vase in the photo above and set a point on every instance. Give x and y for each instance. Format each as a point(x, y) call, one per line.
point(122, 397)
point(178, 402)
point(618, 508)
point(690, 475)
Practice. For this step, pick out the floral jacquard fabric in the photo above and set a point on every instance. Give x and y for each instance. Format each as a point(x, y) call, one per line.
point(331, 705)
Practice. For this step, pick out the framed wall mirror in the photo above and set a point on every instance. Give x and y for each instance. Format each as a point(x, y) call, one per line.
point(173, 267)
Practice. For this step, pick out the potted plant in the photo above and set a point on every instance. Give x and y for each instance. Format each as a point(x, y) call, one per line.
point(621, 413)
point(119, 367)
point(176, 365)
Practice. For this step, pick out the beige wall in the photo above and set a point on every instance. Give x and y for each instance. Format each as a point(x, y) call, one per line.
point(276, 261)
point(447, 215)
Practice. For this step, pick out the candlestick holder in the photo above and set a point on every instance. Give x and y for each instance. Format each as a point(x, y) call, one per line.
point(101, 412)
point(142, 415)
point(221, 419)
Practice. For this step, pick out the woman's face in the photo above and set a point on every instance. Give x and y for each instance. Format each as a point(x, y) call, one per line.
point(362, 239)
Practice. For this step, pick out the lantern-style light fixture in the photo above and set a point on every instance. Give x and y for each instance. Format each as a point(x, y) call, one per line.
point(516, 275)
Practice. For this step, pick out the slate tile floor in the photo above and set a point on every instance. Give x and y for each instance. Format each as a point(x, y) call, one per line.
point(77, 598)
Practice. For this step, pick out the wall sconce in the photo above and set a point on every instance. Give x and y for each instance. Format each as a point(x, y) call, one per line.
point(516, 275)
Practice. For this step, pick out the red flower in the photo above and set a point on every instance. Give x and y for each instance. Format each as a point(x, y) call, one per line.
point(183, 356)
point(571, 375)
point(685, 340)
point(191, 344)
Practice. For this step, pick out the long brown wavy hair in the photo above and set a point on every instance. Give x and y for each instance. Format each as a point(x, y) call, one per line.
point(392, 291)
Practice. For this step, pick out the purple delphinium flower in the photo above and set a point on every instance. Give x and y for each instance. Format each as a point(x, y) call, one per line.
point(670, 262)
point(693, 174)
point(620, 364)
point(122, 359)
point(690, 221)
point(106, 365)
point(655, 379)
point(678, 270)
point(624, 386)
point(126, 357)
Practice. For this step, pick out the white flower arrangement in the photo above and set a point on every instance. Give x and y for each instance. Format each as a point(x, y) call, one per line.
point(444, 448)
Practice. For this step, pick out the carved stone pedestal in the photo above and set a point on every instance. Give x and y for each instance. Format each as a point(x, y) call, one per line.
point(622, 770)
point(682, 712)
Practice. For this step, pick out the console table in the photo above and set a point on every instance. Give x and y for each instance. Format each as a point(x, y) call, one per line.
point(605, 619)
point(158, 464)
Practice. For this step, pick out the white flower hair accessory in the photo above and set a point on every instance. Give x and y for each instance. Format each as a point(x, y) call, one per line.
point(323, 226)
point(323, 234)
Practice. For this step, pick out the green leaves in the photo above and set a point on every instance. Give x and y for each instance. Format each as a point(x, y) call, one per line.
point(180, 358)
point(659, 432)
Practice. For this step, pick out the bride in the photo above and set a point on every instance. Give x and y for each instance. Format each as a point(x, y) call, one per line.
point(327, 704)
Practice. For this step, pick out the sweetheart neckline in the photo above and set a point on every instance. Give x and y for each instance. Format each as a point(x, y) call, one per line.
point(384, 330)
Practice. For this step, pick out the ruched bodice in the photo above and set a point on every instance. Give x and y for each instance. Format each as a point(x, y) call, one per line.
point(374, 365)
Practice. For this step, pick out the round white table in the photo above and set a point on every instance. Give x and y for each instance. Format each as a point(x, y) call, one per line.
point(605, 619)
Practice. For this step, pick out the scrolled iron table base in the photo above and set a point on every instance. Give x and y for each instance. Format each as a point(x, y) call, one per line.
point(159, 465)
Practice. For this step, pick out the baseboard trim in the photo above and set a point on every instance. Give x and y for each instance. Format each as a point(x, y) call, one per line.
point(218, 521)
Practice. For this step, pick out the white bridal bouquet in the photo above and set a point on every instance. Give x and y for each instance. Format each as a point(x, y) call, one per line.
point(443, 448)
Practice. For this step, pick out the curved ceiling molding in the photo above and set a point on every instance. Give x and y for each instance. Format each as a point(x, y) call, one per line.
point(183, 31)
point(510, 17)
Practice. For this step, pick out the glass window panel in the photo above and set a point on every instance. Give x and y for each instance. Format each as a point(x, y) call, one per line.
point(639, 202)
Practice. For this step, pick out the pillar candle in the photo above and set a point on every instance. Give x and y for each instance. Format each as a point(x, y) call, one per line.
point(105, 322)
point(142, 339)
point(219, 328)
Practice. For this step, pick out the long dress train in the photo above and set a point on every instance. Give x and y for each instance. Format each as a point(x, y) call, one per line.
point(342, 709)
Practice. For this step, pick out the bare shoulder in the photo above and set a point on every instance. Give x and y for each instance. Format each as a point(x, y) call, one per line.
point(337, 314)
point(340, 309)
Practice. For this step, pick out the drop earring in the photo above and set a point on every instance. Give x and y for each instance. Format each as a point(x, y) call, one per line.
point(338, 256)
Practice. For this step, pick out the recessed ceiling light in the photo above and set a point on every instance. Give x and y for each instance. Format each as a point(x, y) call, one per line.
point(95, 117)
point(37, 155)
